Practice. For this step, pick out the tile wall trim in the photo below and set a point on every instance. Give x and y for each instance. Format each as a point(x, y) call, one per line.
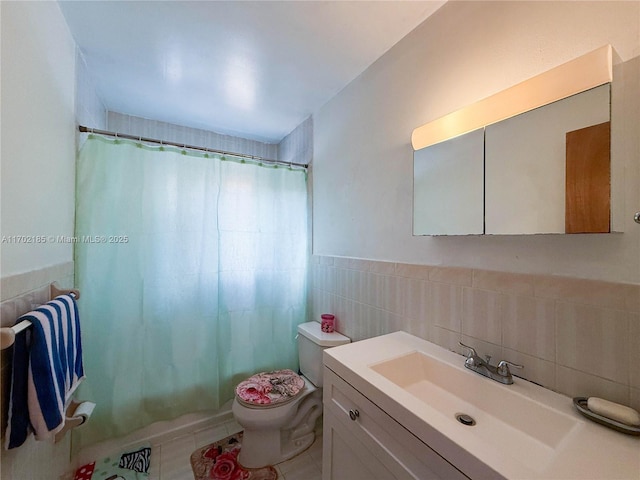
point(21, 283)
point(617, 295)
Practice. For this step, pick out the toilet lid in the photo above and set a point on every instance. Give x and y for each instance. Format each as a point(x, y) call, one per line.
point(269, 389)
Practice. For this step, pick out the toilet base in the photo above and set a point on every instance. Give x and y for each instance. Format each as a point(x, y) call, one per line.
point(256, 455)
point(270, 446)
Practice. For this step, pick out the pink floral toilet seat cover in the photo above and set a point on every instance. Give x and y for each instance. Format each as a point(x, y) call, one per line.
point(270, 389)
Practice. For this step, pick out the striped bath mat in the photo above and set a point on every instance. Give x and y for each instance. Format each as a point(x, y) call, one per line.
point(130, 465)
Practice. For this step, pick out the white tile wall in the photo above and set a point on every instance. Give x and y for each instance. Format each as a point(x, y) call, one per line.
point(129, 124)
point(20, 294)
point(575, 336)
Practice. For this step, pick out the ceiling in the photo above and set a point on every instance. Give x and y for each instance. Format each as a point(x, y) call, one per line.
point(254, 69)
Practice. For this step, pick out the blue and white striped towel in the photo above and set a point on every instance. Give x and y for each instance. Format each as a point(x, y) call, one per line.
point(47, 369)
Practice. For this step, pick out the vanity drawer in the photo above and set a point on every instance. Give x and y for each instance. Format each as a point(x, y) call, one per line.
point(375, 441)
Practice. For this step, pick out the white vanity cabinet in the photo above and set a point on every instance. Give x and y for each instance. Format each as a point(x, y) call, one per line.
point(409, 395)
point(361, 442)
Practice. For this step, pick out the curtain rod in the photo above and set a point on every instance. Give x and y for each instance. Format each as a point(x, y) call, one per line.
point(84, 129)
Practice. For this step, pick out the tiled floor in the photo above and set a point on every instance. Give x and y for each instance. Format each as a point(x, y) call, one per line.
point(170, 460)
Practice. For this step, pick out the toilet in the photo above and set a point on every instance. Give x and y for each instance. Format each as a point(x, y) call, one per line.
point(278, 410)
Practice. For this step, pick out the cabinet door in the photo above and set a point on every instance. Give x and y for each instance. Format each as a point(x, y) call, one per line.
point(448, 187)
point(345, 456)
point(372, 445)
point(525, 163)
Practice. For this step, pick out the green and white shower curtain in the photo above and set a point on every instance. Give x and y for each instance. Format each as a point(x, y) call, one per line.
point(192, 271)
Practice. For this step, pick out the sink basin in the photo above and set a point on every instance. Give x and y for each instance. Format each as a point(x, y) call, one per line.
point(510, 421)
point(521, 430)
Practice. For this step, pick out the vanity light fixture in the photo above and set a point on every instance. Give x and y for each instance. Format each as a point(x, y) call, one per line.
point(583, 73)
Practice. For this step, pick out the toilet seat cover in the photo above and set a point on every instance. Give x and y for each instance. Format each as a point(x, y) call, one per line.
point(268, 389)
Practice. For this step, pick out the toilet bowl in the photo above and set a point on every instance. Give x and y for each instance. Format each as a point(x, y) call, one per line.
point(275, 434)
point(278, 410)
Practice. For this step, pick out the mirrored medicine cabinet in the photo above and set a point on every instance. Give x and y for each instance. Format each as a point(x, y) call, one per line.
point(543, 170)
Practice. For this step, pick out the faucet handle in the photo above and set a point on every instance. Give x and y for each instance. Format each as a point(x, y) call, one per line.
point(472, 351)
point(503, 367)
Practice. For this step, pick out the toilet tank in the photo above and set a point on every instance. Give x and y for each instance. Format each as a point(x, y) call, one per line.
point(311, 342)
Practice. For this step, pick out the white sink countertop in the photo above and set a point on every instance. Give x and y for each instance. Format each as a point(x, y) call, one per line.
point(522, 431)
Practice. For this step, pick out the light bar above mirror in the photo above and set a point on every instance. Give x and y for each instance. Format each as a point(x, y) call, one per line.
point(583, 73)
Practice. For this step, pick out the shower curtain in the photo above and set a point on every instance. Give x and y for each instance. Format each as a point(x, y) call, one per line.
point(193, 275)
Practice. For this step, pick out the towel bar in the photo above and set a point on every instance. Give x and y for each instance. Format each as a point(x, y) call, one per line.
point(8, 334)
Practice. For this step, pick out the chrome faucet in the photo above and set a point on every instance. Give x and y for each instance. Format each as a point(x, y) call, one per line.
point(499, 373)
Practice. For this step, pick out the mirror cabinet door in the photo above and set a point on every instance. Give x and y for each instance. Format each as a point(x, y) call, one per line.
point(538, 177)
point(448, 187)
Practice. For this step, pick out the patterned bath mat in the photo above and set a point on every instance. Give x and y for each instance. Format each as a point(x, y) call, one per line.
point(130, 465)
point(219, 461)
